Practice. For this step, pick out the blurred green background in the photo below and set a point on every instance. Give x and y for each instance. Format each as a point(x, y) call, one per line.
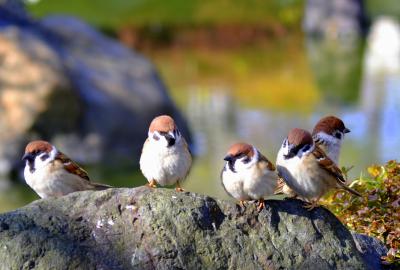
point(246, 70)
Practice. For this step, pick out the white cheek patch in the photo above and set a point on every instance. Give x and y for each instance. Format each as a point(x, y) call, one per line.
point(240, 163)
point(157, 139)
point(45, 158)
point(285, 149)
point(329, 138)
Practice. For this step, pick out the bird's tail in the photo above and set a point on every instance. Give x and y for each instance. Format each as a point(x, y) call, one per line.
point(98, 186)
point(352, 191)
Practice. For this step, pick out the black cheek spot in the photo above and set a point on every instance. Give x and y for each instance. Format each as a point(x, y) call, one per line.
point(44, 157)
point(306, 148)
point(31, 165)
point(246, 160)
point(155, 137)
point(231, 165)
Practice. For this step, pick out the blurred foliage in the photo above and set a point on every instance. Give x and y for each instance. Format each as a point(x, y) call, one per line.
point(337, 67)
point(258, 76)
point(117, 13)
point(383, 7)
point(17, 195)
point(377, 214)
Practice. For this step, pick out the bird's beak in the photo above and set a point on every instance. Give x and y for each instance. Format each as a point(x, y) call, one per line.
point(231, 161)
point(28, 156)
point(228, 158)
point(346, 130)
point(170, 139)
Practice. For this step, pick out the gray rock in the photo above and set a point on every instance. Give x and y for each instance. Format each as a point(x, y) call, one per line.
point(371, 249)
point(143, 228)
point(63, 81)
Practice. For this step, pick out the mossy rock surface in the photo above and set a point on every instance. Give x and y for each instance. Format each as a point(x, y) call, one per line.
point(143, 228)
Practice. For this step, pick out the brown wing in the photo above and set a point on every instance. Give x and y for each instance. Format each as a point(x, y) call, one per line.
point(327, 164)
point(279, 186)
point(71, 166)
point(320, 143)
point(262, 158)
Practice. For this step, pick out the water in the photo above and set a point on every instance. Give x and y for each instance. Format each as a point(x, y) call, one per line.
point(258, 93)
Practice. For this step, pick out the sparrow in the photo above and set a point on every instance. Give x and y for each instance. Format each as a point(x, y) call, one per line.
point(328, 134)
point(165, 158)
point(306, 169)
point(50, 173)
point(248, 175)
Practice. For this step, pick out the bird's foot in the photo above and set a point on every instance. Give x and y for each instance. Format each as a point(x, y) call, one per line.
point(311, 205)
point(242, 204)
point(152, 184)
point(178, 188)
point(260, 205)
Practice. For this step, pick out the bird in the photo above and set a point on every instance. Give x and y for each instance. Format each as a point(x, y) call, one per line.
point(50, 173)
point(306, 168)
point(328, 134)
point(248, 175)
point(165, 158)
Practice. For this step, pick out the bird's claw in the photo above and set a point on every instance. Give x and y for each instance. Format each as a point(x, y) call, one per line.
point(152, 184)
point(310, 206)
point(242, 205)
point(178, 188)
point(261, 205)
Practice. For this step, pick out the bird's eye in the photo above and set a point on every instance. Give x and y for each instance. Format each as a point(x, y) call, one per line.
point(155, 137)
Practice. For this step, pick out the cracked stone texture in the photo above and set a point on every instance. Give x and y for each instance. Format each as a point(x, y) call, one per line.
point(143, 228)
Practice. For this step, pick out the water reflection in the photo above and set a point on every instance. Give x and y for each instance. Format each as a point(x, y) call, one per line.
point(380, 100)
